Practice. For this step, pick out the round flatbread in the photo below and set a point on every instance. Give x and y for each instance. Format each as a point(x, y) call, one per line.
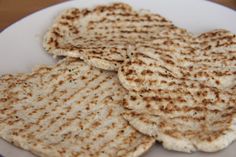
point(70, 109)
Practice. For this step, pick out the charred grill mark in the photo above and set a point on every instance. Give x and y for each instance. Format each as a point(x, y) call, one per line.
point(130, 72)
point(147, 72)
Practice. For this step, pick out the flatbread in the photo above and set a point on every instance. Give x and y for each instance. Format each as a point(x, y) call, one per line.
point(197, 59)
point(70, 109)
point(102, 36)
point(218, 45)
point(185, 103)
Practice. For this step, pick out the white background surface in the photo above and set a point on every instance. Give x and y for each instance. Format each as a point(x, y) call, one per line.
point(21, 46)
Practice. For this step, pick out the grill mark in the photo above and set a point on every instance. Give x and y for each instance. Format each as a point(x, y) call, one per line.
point(130, 18)
point(189, 118)
point(105, 23)
point(114, 61)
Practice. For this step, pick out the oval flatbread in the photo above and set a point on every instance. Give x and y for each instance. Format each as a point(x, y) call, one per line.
point(102, 36)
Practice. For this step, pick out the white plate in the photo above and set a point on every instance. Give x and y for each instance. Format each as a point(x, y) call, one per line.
point(20, 45)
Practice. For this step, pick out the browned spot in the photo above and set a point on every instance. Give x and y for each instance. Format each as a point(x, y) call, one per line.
point(133, 98)
point(62, 151)
point(83, 77)
point(100, 135)
point(144, 72)
point(217, 82)
point(138, 80)
point(110, 113)
point(173, 133)
point(96, 124)
point(57, 34)
point(130, 71)
point(61, 82)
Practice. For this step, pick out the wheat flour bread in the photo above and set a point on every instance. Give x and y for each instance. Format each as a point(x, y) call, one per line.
point(70, 109)
point(101, 36)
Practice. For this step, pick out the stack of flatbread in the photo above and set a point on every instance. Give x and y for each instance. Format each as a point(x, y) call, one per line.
point(171, 87)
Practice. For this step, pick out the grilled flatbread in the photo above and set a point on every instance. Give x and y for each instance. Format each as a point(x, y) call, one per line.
point(186, 103)
point(70, 109)
point(212, 62)
point(102, 36)
point(218, 45)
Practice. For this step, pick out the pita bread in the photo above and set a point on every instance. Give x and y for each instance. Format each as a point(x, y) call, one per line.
point(102, 36)
point(185, 103)
point(70, 109)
